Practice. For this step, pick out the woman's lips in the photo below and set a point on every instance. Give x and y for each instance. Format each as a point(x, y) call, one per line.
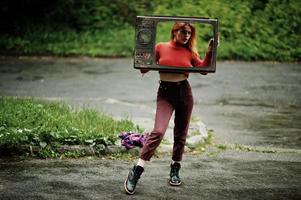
point(185, 40)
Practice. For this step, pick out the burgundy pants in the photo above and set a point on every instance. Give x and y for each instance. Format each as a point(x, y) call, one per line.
point(172, 96)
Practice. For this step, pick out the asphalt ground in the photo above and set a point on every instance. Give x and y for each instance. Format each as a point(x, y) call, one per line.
point(226, 175)
point(254, 110)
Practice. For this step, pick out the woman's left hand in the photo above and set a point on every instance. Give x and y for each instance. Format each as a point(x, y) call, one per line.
point(210, 44)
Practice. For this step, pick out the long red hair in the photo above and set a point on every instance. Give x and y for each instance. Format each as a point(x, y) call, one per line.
point(191, 44)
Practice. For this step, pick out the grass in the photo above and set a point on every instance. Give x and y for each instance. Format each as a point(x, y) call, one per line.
point(202, 146)
point(239, 147)
point(49, 125)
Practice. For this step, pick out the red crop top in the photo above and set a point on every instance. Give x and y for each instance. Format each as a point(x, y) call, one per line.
point(172, 54)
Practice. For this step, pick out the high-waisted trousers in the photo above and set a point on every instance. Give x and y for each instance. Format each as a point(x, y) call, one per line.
point(171, 97)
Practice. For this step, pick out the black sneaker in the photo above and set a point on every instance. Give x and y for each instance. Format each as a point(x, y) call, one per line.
point(174, 178)
point(132, 179)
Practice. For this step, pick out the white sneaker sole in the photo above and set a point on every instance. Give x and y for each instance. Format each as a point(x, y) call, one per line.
point(174, 184)
point(126, 190)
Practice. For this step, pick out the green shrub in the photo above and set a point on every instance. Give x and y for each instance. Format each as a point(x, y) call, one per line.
point(249, 30)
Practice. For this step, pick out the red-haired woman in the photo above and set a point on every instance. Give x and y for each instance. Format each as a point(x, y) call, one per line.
point(174, 95)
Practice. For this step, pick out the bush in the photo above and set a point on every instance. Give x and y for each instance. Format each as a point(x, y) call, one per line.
point(249, 30)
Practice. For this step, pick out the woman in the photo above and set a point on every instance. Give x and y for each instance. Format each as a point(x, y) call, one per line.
point(174, 94)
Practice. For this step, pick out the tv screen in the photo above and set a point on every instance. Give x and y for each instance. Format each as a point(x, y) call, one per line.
point(153, 32)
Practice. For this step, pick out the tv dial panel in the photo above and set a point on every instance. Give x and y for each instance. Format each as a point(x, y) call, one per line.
point(145, 38)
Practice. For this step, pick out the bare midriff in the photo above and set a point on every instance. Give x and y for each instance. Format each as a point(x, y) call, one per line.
point(172, 77)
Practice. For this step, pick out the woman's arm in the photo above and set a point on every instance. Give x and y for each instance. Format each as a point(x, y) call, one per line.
point(157, 56)
point(198, 62)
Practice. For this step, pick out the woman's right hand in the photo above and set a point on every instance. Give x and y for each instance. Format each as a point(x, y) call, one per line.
point(143, 71)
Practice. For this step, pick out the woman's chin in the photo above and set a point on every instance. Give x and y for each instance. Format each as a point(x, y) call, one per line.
point(182, 42)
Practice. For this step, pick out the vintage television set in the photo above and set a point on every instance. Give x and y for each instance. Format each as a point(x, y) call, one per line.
point(151, 30)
